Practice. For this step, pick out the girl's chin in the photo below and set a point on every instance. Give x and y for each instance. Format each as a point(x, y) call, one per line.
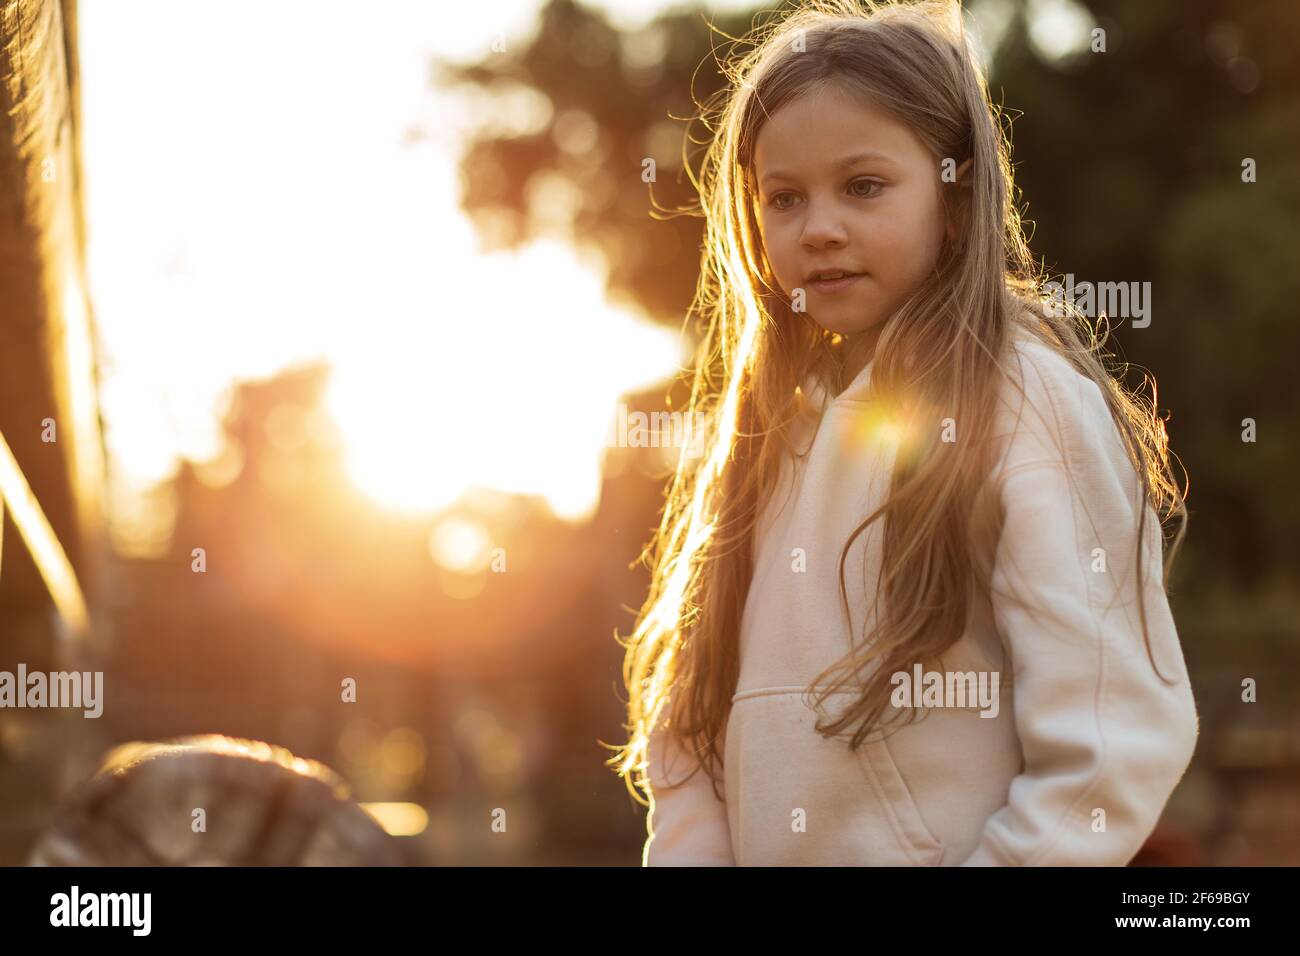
point(847, 327)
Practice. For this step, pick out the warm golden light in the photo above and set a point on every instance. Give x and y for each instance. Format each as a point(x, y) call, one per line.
point(493, 390)
point(878, 426)
point(43, 544)
point(458, 544)
point(398, 819)
point(283, 213)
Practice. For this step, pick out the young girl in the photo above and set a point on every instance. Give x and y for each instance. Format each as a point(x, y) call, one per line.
point(909, 608)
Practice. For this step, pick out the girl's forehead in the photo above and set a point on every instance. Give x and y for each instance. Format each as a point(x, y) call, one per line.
point(817, 131)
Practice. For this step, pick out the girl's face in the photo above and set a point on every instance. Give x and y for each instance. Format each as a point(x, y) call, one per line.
point(844, 186)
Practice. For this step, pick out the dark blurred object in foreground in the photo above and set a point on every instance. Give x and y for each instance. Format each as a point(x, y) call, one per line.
point(261, 806)
point(1170, 846)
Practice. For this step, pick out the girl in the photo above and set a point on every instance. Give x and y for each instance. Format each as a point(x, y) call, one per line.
point(909, 607)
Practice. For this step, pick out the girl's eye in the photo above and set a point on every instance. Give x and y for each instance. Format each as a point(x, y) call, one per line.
point(866, 182)
point(871, 184)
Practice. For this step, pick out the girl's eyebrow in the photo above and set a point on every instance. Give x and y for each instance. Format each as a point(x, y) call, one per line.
point(840, 164)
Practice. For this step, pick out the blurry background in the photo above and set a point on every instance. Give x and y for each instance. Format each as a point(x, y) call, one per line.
point(368, 287)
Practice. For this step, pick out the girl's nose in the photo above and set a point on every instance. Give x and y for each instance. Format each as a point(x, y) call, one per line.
point(822, 228)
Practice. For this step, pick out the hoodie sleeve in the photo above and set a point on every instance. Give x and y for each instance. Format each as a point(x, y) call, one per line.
point(687, 824)
point(1104, 739)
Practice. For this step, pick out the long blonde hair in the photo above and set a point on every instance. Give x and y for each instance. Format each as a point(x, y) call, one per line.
point(941, 350)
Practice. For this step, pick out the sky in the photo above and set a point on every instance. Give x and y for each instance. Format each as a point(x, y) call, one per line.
point(255, 201)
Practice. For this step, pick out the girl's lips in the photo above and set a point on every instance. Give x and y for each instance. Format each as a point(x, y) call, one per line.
point(835, 285)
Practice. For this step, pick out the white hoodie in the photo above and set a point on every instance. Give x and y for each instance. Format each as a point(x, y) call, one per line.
point(1087, 743)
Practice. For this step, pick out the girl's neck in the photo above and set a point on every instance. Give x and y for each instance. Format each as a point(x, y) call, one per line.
point(856, 351)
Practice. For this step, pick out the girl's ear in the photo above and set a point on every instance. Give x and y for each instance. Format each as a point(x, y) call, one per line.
point(957, 199)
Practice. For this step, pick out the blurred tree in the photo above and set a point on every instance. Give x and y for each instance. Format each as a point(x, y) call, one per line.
point(1131, 162)
point(617, 99)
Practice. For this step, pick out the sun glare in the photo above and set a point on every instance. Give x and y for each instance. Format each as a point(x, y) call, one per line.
point(244, 220)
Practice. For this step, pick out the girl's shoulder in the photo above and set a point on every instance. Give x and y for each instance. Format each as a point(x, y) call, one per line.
point(1048, 410)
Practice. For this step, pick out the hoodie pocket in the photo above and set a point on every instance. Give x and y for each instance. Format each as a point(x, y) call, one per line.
point(854, 808)
point(910, 828)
